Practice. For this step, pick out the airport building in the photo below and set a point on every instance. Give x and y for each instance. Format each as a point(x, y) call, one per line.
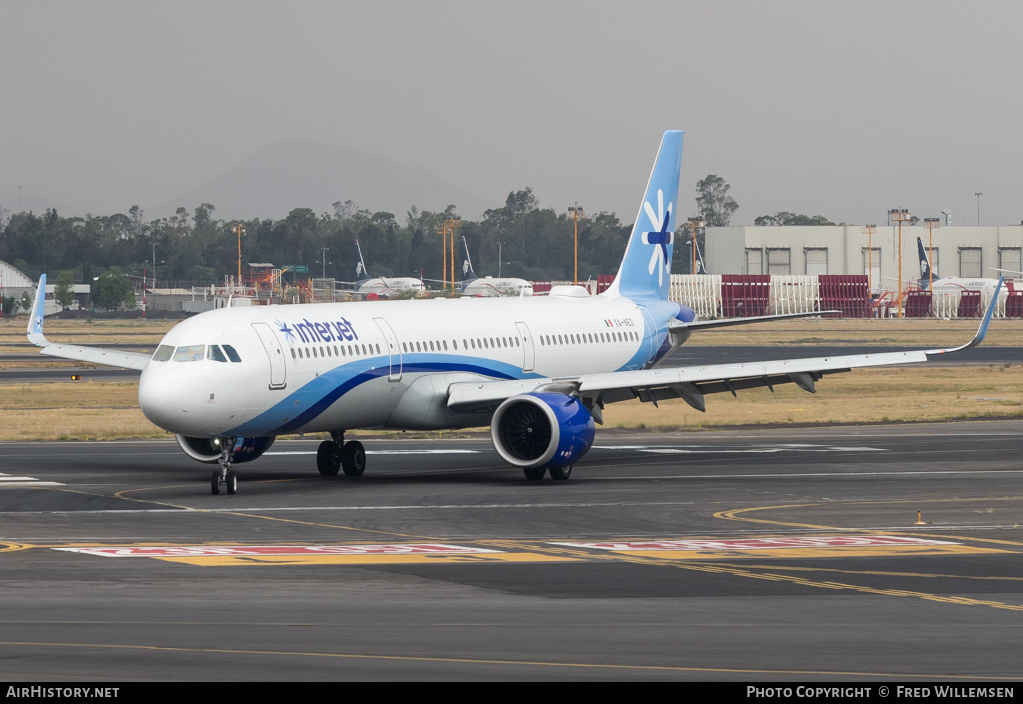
point(968, 252)
point(768, 270)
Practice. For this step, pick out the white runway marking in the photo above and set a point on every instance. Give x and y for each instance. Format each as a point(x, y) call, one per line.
point(6, 480)
point(765, 449)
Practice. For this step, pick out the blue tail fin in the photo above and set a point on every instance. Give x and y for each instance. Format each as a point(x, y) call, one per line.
point(646, 268)
point(925, 266)
point(360, 266)
point(35, 321)
point(467, 273)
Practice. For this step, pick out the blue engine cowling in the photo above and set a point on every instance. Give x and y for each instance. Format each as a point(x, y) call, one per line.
point(208, 449)
point(542, 430)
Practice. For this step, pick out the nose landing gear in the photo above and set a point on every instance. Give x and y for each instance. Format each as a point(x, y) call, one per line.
point(225, 478)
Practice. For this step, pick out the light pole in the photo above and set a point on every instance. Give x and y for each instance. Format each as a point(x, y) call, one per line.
point(499, 244)
point(978, 194)
point(930, 224)
point(899, 215)
point(323, 260)
point(239, 230)
point(869, 231)
point(577, 213)
point(695, 223)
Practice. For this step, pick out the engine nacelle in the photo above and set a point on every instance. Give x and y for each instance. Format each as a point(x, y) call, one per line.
point(208, 449)
point(542, 430)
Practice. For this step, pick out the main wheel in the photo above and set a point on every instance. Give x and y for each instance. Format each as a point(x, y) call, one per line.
point(534, 473)
point(561, 472)
point(328, 459)
point(215, 483)
point(232, 483)
point(353, 459)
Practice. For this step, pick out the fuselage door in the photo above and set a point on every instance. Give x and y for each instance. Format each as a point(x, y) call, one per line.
point(527, 347)
point(274, 350)
point(393, 348)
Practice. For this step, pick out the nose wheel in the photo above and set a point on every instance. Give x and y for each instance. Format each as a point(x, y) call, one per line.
point(224, 478)
point(228, 482)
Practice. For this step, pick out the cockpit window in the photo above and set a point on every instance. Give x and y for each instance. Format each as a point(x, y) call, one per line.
point(213, 352)
point(232, 354)
point(163, 353)
point(190, 353)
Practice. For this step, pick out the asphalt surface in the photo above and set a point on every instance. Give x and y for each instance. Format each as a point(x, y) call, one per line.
point(442, 563)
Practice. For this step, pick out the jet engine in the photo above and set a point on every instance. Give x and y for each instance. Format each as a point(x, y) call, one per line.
point(208, 449)
point(542, 430)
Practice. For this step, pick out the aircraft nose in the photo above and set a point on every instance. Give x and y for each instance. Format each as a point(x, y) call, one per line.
point(162, 397)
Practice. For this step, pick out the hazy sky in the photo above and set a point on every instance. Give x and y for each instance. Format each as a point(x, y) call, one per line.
point(842, 109)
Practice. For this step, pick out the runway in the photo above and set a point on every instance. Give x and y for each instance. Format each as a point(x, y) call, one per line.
point(768, 555)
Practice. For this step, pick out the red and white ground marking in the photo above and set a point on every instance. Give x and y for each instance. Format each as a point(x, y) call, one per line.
point(823, 541)
point(277, 550)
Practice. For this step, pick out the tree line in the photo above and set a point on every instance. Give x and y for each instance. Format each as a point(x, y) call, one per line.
point(197, 248)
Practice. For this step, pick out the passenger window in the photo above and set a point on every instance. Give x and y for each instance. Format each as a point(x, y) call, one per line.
point(213, 352)
point(163, 353)
point(232, 354)
point(190, 353)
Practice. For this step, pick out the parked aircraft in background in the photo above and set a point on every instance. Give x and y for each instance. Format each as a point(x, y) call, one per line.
point(383, 287)
point(952, 284)
point(473, 285)
point(537, 370)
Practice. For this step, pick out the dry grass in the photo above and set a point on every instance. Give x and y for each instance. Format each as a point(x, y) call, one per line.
point(812, 331)
point(94, 410)
point(73, 411)
point(100, 411)
point(896, 333)
point(859, 396)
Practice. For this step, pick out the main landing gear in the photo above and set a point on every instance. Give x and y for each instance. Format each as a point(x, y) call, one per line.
point(225, 478)
point(336, 455)
point(557, 473)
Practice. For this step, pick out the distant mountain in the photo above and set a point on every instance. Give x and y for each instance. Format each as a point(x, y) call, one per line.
point(30, 203)
point(288, 175)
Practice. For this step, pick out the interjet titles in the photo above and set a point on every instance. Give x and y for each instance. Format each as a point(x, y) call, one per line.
point(339, 331)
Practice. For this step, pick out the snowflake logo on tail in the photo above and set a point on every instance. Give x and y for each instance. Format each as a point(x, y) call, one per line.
point(659, 219)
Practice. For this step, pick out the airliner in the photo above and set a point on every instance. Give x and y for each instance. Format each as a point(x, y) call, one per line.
point(537, 370)
point(950, 284)
point(379, 287)
point(473, 285)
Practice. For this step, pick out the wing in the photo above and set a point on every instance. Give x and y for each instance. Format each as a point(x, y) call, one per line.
point(96, 355)
point(692, 383)
point(678, 326)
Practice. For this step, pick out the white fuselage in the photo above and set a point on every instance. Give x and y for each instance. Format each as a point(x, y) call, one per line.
point(489, 286)
point(392, 287)
point(335, 366)
point(958, 285)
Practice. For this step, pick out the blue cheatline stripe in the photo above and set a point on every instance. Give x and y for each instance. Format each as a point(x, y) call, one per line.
point(327, 388)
